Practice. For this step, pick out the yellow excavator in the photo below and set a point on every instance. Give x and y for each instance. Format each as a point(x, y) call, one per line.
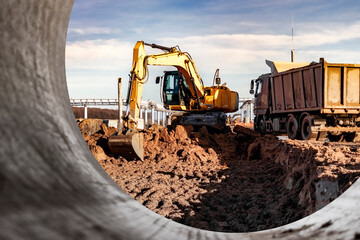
point(182, 90)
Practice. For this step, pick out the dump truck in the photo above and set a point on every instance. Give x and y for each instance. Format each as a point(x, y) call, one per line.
point(309, 101)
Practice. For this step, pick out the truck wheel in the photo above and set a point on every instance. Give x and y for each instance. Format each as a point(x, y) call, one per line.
point(306, 133)
point(350, 136)
point(262, 126)
point(335, 137)
point(292, 127)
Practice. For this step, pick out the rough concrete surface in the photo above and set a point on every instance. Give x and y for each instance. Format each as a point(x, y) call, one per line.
point(51, 187)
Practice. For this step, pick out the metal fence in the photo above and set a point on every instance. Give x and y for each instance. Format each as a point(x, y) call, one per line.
point(151, 112)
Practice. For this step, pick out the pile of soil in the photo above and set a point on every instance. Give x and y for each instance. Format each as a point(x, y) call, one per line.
point(89, 126)
point(237, 181)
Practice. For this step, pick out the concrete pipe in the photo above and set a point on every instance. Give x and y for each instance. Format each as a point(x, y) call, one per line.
point(51, 187)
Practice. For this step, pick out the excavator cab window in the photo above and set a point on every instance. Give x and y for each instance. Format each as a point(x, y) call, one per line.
point(175, 89)
point(171, 88)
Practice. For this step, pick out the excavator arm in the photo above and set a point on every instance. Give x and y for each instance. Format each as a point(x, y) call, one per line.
point(173, 57)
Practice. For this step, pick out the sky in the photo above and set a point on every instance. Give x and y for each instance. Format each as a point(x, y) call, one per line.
point(235, 36)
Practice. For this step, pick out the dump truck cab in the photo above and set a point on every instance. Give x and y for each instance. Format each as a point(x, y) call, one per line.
point(262, 100)
point(262, 96)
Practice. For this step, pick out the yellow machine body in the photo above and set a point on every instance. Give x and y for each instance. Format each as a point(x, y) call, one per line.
point(196, 98)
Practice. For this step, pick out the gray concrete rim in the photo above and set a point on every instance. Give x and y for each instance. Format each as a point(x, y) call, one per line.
point(51, 187)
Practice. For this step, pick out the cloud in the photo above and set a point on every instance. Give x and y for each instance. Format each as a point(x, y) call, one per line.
point(305, 38)
point(94, 31)
point(240, 53)
point(329, 34)
point(236, 55)
point(98, 54)
point(234, 52)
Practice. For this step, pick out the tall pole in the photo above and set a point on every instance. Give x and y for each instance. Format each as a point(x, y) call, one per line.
point(146, 117)
point(292, 39)
point(164, 118)
point(120, 122)
point(85, 111)
point(250, 112)
point(152, 116)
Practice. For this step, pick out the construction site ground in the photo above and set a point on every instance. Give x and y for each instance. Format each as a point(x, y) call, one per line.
point(237, 181)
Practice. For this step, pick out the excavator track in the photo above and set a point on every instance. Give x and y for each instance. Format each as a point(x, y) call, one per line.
point(212, 120)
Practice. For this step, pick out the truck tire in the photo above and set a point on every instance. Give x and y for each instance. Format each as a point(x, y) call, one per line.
point(255, 125)
point(306, 133)
point(261, 127)
point(335, 137)
point(350, 136)
point(292, 127)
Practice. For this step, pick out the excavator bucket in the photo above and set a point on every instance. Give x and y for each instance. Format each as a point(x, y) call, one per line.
point(129, 146)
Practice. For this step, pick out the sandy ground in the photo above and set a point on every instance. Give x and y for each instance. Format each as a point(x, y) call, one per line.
point(233, 182)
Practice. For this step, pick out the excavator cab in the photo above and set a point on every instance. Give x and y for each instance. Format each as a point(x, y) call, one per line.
point(171, 88)
point(175, 90)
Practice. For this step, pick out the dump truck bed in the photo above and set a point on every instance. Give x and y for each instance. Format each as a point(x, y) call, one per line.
point(331, 88)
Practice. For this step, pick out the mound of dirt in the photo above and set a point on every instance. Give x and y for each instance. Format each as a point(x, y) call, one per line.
point(233, 182)
point(90, 126)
